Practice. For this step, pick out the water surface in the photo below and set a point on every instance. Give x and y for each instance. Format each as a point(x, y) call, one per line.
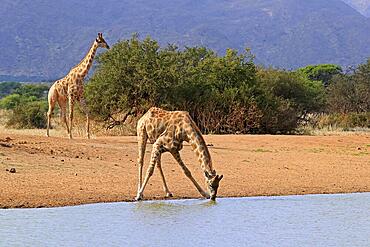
point(311, 220)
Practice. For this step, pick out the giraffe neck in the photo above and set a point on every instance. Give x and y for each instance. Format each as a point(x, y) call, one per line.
point(199, 146)
point(85, 64)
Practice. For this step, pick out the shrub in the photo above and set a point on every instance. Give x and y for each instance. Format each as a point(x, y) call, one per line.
point(350, 93)
point(138, 74)
point(321, 72)
point(7, 88)
point(27, 106)
point(342, 120)
point(288, 98)
point(30, 115)
point(10, 101)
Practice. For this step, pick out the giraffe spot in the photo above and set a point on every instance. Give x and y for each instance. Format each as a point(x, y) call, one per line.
point(206, 160)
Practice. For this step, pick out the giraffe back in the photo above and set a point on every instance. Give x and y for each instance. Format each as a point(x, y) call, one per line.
point(157, 122)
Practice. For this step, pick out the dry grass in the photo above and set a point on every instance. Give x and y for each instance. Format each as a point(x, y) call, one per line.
point(332, 131)
point(129, 128)
point(79, 127)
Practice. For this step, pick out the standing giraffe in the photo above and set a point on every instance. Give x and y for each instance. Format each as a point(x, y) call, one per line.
point(167, 130)
point(71, 87)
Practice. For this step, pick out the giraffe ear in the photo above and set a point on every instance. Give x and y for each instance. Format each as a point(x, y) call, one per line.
point(220, 177)
point(207, 174)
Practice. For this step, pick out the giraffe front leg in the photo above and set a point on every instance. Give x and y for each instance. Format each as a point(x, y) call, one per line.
point(86, 111)
point(187, 172)
point(71, 104)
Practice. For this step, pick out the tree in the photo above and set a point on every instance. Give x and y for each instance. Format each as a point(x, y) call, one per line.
point(137, 74)
point(27, 106)
point(36, 90)
point(7, 88)
point(351, 93)
point(288, 98)
point(321, 72)
point(30, 115)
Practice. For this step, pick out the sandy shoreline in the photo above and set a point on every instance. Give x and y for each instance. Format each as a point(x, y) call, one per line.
point(57, 171)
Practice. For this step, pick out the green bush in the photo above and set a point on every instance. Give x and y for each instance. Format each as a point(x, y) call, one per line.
point(7, 88)
point(350, 93)
point(321, 72)
point(32, 90)
point(217, 91)
point(223, 94)
point(288, 98)
point(11, 101)
point(345, 120)
point(27, 106)
point(30, 115)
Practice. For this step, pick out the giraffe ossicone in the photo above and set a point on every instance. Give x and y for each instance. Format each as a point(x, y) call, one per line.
point(70, 89)
point(167, 130)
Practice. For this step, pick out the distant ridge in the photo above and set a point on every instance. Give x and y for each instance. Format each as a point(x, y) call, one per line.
point(362, 6)
point(44, 39)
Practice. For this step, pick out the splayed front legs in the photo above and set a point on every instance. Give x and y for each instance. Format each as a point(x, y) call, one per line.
point(155, 160)
point(187, 172)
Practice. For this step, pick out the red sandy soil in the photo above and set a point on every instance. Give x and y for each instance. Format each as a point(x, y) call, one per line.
point(57, 171)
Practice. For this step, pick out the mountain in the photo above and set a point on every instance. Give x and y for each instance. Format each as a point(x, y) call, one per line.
point(44, 39)
point(362, 6)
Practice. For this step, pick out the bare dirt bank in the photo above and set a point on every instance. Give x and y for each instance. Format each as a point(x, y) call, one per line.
point(57, 171)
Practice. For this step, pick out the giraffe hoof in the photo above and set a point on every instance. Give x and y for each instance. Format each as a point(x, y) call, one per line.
point(205, 195)
point(168, 195)
point(138, 198)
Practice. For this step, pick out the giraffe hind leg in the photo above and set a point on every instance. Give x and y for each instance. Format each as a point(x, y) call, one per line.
point(50, 112)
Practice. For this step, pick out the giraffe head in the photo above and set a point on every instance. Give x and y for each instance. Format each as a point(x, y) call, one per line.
point(213, 181)
point(101, 41)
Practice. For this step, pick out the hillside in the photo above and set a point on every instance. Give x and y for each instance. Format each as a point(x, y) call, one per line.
point(363, 6)
point(43, 39)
